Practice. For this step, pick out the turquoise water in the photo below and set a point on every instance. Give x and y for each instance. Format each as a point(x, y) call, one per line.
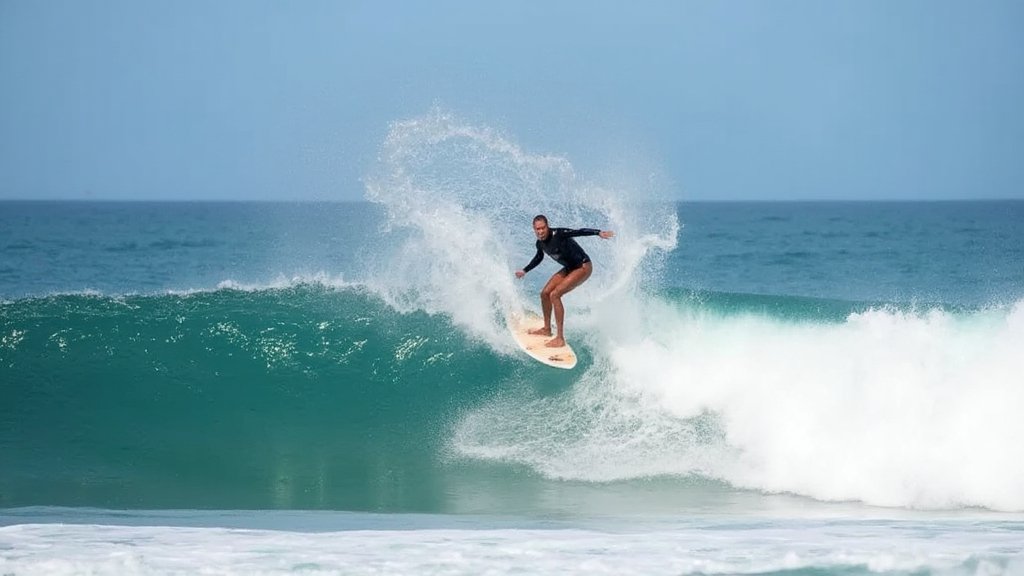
point(763, 387)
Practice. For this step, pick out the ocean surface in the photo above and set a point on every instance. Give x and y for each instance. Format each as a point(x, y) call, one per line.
point(276, 388)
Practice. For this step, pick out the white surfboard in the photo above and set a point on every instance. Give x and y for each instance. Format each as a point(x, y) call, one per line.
point(533, 344)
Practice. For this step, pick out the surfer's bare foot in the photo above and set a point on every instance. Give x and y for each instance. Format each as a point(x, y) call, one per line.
point(540, 331)
point(555, 342)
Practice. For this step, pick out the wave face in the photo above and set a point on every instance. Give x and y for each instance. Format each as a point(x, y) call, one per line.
point(314, 396)
point(307, 396)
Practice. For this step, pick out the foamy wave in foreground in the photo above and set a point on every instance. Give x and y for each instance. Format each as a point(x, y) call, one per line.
point(704, 547)
point(920, 410)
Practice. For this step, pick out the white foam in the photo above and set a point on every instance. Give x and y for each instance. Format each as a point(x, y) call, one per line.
point(319, 279)
point(281, 282)
point(890, 408)
point(720, 547)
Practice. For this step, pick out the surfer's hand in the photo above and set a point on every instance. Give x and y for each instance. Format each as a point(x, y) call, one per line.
point(520, 273)
point(606, 234)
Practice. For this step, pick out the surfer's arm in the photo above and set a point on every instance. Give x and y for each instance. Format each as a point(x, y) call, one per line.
point(572, 233)
point(536, 260)
point(569, 232)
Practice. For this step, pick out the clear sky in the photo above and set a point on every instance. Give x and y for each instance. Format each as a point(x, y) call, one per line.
point(724, 100)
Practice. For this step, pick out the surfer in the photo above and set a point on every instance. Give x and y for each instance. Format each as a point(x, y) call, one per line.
point(576, 268)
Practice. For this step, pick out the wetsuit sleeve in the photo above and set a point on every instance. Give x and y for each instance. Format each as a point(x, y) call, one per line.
point(536, 260)
point(569, 232)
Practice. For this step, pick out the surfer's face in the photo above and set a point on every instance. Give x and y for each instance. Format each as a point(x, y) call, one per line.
point(540, 228)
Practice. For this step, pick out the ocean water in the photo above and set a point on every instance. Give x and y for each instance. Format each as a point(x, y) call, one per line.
point(268, 388)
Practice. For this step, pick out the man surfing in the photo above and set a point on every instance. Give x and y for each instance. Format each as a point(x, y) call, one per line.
point(576, 268)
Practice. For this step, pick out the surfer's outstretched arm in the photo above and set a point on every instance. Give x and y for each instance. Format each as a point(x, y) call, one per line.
point(572, 233)
point(533, 263)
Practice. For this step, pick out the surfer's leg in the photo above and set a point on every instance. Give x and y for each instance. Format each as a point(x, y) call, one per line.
point(545, 302)
point(569, 282)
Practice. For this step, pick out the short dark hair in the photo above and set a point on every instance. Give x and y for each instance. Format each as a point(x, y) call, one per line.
point(540, 217)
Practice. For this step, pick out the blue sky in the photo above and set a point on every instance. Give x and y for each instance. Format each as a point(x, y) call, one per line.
point(722, 100)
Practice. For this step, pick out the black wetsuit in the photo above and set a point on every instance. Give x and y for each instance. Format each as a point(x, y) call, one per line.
point(562, 248)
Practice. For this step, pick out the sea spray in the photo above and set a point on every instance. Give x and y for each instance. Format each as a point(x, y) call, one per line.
point(459, 201)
